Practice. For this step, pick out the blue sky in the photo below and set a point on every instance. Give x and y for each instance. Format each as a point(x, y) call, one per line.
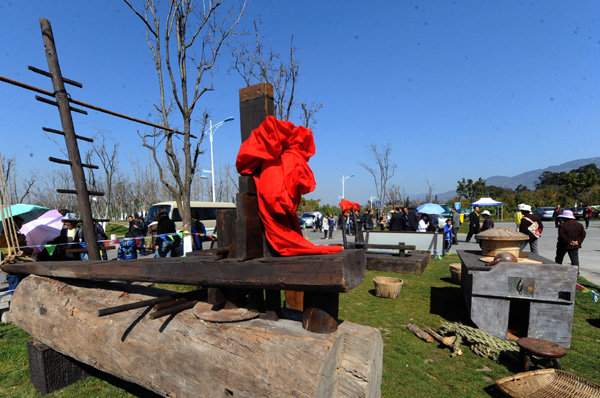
point(460, 89)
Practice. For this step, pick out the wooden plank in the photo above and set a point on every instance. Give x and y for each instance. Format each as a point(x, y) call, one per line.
point(339, 272)
point(491, 315)
point(552, 322)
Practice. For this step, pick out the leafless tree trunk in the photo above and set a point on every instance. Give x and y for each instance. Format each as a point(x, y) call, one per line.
point(395, 195)
point(385, 168)
point(199, 34)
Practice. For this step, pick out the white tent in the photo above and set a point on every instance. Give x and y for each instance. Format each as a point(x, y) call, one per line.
point(489, 202)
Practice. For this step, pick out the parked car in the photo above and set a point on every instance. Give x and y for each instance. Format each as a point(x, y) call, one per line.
point(577, 212)
point(544, 213)
point(309, 218)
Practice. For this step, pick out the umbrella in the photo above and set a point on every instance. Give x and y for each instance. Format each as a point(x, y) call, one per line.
point(431, 208)
point(26, 212)
point(42, 229)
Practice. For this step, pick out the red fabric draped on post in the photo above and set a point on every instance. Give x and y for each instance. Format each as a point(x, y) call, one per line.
point(276, 155)
point(347, 205)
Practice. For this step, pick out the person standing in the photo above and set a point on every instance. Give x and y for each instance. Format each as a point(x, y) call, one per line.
point(325, 226)
point(519, 215)
point(140, 230)
point(423, 223)
point(557, 219)
point(488, 223)
point(588, 212)
point(396, 221)
point(331, 225)
point(198, 231)
point(167, 237)
point(570, 237)
point(455, 218)
point(473, 223)
point(448, 235)
point(532, 227)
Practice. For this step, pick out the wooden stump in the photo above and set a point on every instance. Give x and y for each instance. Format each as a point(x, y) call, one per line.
point(184, 357)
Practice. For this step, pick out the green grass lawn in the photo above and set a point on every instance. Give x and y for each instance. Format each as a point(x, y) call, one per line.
point(411, 367)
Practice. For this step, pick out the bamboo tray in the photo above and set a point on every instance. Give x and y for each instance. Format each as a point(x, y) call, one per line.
point(548, 383)
point(519, 260)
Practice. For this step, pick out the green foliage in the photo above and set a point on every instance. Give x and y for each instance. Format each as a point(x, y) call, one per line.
point(572, 185)
point(307, 205)
point(471, 190)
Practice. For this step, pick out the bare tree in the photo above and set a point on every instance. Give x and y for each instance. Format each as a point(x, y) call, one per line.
point(429, 195)
point(199, 34)
point(385, 168)
point(19, 189)
point(395, 195)
point(107, 154)
point(257, 63)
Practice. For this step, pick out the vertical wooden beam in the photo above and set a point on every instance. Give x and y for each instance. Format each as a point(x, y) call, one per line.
point(62, 99)
point(256, 103)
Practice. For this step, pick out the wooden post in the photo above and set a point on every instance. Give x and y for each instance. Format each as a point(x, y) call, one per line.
point(83, 199)
point(256, 103)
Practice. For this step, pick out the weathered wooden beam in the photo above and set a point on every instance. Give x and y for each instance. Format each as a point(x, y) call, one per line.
point(47, 74)
point(62, 161)
point(62, 98)
point(182, 356)
point(79, 137)
point(256, 103)
point(73, 191)
point(55, 103)
point(339, 272)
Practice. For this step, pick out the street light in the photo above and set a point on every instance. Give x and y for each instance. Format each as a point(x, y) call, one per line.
point(371, 200)
point(344, 178)
point(211, 131)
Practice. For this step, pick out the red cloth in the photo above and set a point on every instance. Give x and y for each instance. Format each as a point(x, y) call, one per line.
point(276, 155)
point(347, 205)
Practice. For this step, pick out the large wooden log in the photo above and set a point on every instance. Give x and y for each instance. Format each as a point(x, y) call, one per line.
point(339, 272)
point(182, 356)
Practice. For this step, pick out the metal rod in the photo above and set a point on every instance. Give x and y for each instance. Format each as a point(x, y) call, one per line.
point(79, 137)
point(173, 309)
point(93, 193)
point(145, 303)
point(43, 72)
point(61, 161)
point(50, 102)
point(96, 108)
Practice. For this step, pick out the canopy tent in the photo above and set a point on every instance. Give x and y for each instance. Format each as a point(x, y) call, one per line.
point(489, 202)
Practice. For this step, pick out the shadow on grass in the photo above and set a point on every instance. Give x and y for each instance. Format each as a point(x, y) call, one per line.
point(448, 303)
point(494, 391)
point(594, 322)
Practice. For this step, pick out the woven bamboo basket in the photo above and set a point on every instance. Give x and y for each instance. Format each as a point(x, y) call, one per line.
point(548, 383)
point(455, 272)
point(387, 287)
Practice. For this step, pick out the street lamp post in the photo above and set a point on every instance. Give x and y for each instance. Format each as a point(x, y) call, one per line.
point(344, 178)
point(371, 200)
point(211, 131)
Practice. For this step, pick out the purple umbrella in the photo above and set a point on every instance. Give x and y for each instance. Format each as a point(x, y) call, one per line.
point(39, 231)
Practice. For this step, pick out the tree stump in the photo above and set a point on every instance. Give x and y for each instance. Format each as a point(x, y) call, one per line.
point(181, 356)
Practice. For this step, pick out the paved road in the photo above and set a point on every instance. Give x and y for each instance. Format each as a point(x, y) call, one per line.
point(589, 258)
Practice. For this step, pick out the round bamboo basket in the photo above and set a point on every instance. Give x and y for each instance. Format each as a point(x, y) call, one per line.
point(455, 272)
point(387, 287)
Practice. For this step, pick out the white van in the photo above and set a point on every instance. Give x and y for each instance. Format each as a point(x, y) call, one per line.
point(207, 212)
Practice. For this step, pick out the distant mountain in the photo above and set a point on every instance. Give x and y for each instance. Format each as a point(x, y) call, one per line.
point(528, 178)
